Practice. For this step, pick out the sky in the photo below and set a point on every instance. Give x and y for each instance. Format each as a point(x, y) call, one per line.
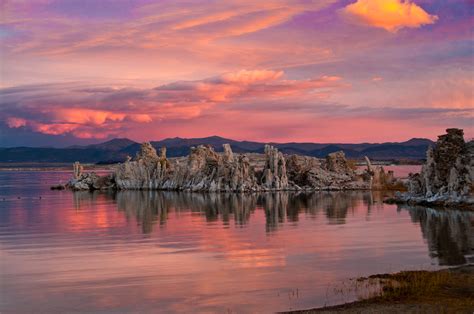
point(85, 71)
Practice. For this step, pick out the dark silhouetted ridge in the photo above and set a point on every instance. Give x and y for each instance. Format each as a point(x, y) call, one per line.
point(117, 150)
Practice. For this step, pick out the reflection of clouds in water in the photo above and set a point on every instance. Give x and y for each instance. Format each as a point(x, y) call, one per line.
point(450, 234)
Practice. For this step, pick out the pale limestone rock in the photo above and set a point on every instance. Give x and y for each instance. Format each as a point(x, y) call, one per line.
point(206, 170)
point(77, 170)
point(91, 181)
point(311, 173)
point(140, 173)
point(368, 163)
point(446, 177)
point(274, 173)
point(228, 154)
point(337, 162)
point(163, 152)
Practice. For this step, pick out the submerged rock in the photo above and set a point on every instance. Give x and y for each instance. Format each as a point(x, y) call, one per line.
point(447, 177)
point(58, 187)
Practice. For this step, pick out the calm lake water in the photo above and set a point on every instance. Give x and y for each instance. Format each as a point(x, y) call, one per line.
point(140, 251)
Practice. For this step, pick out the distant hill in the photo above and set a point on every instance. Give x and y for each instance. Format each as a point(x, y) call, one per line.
point(116, 144)
point(117, 150)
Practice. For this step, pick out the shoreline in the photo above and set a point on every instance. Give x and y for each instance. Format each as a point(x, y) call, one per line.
point(449, 290)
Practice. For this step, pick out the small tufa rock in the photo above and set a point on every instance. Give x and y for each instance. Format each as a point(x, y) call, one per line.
point(86, 181)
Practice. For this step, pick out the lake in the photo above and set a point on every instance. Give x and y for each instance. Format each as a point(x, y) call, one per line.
point(148, 251)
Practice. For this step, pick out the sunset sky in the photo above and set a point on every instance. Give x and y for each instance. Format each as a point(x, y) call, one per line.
point(83, 71)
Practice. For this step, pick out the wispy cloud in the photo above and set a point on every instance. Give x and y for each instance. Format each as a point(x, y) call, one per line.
point(155, 26)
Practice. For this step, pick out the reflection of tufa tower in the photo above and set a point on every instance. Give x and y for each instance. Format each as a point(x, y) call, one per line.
point(450, 234)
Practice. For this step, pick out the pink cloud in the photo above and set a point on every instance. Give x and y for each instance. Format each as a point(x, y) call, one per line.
point(86, 116)
point(86, 112)
point(13, 122)
point(53, 129)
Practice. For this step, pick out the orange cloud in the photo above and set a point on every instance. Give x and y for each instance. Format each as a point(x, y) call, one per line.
point(249, 77)
point(391, 15)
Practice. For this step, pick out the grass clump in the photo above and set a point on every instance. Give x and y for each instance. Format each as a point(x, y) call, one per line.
point(444, 291)
point(454, 287)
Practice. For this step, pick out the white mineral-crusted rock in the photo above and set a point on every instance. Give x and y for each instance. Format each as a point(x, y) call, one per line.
point(447, 176)
point(206, 170)
point(144, 172)
point(274, 173)
point(203, 170)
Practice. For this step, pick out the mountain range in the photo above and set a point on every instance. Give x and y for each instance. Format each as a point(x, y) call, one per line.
point(117, 150)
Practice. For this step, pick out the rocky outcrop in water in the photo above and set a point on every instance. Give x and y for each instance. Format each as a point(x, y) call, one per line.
point(332, 173)
point(208, 171)
point(447, 177)
point(87, 181)
point(203, 170)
